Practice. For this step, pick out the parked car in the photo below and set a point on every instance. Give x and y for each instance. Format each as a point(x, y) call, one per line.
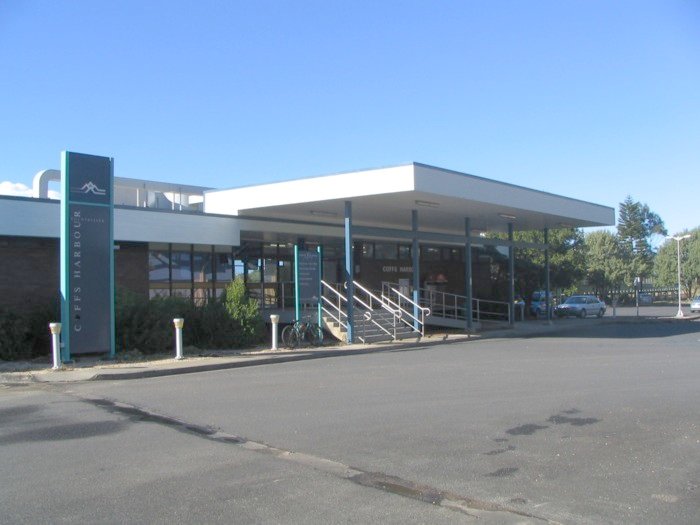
point(538, 303)
point(695, 304)
point(581, 306)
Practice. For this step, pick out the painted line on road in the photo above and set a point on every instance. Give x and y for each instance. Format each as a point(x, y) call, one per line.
point(392, 484)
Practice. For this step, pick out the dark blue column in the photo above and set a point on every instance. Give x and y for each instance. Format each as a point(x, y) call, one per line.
point(468, 290)
point(546, 275)
point(415, 254)
point(349, 269)
point(511, 275)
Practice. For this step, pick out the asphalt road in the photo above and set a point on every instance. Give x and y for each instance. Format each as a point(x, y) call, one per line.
point(599, 426)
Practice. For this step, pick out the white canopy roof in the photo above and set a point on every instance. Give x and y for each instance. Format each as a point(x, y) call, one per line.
point(384, 197)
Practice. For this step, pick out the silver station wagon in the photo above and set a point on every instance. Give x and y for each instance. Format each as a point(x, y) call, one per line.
point(581, 306)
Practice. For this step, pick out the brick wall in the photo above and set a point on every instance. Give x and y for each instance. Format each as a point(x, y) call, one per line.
point(131, 267)
point(30, 268)
point(29, 272)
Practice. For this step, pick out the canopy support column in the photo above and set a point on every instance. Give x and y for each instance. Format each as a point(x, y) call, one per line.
point(415, 255)
point(547, 290)
point(511, 276)
point(468, 290)
point(349, 270)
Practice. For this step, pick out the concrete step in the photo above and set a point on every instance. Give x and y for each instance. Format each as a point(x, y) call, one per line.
point(367, 330)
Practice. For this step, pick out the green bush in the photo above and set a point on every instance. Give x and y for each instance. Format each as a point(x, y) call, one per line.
point(13, 336)
point(246, 312)
point(26, 336)
point(145, 325)
point(211, 326)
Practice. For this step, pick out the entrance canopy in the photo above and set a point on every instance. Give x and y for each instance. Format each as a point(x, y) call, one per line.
point(385, 197)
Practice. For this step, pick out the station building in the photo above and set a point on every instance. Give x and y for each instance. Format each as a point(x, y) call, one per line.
point(419, 229)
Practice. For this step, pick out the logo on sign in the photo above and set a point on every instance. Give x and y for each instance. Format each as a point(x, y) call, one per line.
point(91, 187)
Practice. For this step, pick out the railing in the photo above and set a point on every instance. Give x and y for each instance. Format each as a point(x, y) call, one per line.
point(333, 306)
point(407, 307)
point(400, 305)
point(372, 302)
point(453, 306)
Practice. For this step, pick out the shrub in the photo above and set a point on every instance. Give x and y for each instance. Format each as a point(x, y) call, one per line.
point(13, 336)
point(25, 336)
point(246, 312)
point(211, 326)
point(147, 325)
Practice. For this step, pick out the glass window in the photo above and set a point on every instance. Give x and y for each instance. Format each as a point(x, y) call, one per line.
point(254, 271)
point(224, 267)
point(368, 250)
point(202, 294)
point(238, 268)
point(202, 267)
point(182, 292)
point(285, 271)
point(158, 292)
point(158, 266)
point(181, 266)
point(270, 270)
point(404, 251)
point(385, 250)
point(430, 253)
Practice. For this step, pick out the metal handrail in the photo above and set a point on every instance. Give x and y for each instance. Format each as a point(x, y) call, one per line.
point(335, 311)
point(425, 311)
point(387, 291)
point(396, 313)
point(377, 299)
point(332, 307)
point(453, 306)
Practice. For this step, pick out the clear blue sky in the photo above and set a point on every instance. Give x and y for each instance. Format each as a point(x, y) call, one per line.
point(589, 99)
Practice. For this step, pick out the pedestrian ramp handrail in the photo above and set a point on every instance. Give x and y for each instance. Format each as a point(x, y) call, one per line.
point(412, 313)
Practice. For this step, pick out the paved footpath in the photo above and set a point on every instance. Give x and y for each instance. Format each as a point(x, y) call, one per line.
point(95, 369)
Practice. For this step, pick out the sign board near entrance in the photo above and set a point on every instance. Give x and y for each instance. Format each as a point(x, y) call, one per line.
point(87, 254)
point(308, 274)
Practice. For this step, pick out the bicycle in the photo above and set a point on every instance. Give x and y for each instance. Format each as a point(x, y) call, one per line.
point(299, 331)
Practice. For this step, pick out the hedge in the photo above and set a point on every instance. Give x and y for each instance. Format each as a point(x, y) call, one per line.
point(146, 326)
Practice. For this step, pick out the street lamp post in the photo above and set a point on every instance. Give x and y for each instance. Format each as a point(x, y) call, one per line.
point(678, 245)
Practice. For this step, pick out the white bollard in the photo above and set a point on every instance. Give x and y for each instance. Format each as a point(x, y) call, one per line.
point(179, 323)
point(56, 344)
point(275, 321)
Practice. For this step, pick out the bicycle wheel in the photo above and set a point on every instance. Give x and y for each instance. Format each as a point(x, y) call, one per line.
point(290, 338)
point(314, 335)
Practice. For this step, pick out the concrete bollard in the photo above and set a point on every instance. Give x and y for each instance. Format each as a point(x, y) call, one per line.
point(55, 329)
point(179, 323)
point(275, 321)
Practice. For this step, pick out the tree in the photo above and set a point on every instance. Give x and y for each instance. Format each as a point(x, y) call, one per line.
point(566, 260)
point(607, 262)
point(666, 263)
point(636, 226)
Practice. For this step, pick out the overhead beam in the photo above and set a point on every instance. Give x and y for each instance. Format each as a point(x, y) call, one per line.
point(444, 238)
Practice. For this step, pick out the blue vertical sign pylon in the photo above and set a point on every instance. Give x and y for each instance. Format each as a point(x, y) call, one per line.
point(87, 254)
